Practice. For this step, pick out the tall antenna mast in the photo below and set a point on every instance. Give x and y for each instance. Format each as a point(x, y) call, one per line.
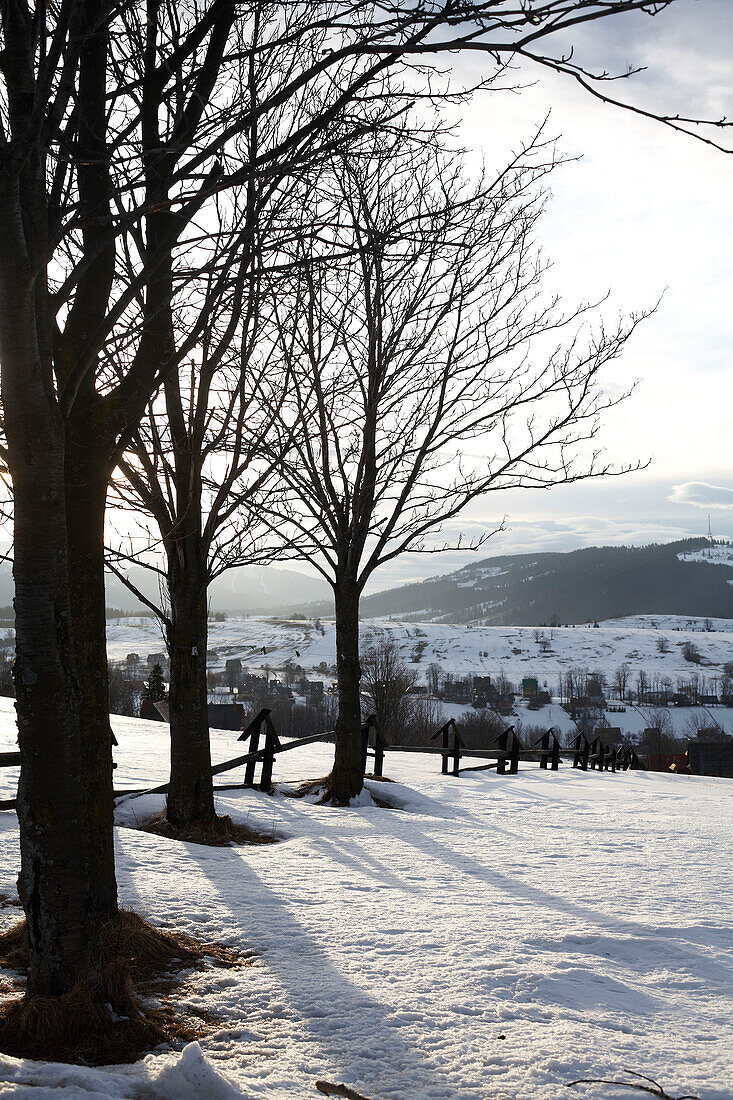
point(710, 531)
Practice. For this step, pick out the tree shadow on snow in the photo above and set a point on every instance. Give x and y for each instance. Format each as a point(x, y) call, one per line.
point(342, 1030)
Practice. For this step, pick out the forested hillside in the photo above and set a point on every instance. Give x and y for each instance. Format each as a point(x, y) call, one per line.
point(594, 583)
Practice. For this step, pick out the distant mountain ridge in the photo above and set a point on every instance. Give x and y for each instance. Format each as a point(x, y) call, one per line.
point(594, 583)
point(252, 589)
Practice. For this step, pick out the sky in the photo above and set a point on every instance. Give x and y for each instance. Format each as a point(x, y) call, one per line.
point(643, 212)
point(639, 212)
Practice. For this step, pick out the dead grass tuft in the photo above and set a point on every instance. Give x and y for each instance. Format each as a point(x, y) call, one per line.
point(308, 786)
point(323, 787)
point(220, 833)
point(80, 1027)
point(147, 953)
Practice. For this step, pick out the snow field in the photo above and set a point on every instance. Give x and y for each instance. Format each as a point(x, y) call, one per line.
point(458, 649)
point(513, 651)
point(496, 938)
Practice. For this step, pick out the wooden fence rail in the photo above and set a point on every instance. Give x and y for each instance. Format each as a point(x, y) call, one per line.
point(504, 755)
point(509, 750)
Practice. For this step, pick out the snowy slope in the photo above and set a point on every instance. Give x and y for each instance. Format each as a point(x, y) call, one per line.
point(720, 554)
point(596, 582)
point(515, 651)
point(497, 939)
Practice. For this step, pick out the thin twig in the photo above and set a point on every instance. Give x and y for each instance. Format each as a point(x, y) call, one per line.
point(657, 1090)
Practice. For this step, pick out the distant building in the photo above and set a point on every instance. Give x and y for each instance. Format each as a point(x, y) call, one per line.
point(610, 735)
point(220, 716)
point(155, 711)
point(711, 758)
point(485, 693)
point(458, 691)
point(225, 716)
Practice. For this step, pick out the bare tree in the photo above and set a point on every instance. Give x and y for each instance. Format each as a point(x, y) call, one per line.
point(196, 444)
point(658, 738)
point(435, 673)
point(386, 682)
point(413, 342)
point(691, 653)
point(426, 717)
point(118, 125)
point(96, 149)
point(621, 680)
point(120, 128)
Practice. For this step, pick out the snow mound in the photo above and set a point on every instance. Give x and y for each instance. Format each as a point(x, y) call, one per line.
point(364, 798)
point(186, 1076)
point(191, 1076)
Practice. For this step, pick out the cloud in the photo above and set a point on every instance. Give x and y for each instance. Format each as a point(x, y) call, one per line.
point(702, 495)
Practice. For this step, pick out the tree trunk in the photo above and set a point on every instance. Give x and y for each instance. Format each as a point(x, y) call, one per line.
point(54, 881)
point(191, 791)
point(87, 476)
point(53, 884)
point(347, 778)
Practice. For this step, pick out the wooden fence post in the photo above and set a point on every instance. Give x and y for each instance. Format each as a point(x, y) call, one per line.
point(444, 765)
point(515, 751)
point(366, 729)
point(582, 755)
point(555, 759)
point(502, 742)
point(272, 743)
point(254, 744)
point(379, 747)
point(456, 749)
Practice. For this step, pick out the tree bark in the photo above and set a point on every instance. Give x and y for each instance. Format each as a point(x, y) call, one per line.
point(191, 791)
point(53, 884)
point(347, 778)
point(87, 477)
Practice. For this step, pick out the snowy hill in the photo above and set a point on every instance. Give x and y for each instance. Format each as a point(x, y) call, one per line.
point(482, 650)
point(515, 652)
point(493, 940)
point(582, 586)
point(718, 554)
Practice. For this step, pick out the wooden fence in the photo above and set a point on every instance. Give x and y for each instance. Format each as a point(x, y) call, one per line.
point(508, 750)
point(8, 760)
point(260, 729)
point(504, 755)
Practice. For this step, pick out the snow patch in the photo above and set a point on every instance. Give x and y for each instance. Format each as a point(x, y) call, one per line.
point(192, 1077)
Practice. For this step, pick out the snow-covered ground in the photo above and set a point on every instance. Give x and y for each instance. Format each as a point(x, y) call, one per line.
point(497, 938)
point(516, 651)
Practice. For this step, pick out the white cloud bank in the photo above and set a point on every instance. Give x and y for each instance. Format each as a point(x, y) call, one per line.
point(700, 494)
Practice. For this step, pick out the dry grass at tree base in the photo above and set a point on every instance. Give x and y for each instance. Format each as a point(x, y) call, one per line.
point(321, 786)
point(221, 832)
point(79, 1027)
